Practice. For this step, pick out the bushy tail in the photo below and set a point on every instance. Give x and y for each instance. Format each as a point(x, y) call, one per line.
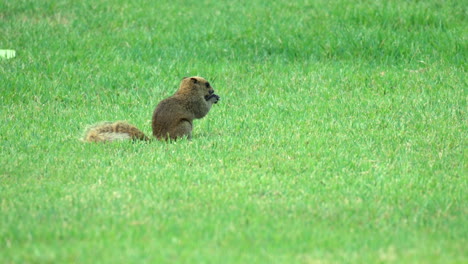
point(112, 131)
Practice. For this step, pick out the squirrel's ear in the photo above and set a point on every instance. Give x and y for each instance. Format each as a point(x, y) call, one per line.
point(194, 80)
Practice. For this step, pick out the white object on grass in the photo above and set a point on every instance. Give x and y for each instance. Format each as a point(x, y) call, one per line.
point(7, 54)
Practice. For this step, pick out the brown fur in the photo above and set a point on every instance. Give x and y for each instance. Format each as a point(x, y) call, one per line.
point(172, 118)
point(109, 131)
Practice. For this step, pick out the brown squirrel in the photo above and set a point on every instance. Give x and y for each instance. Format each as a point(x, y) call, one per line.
point(172, 117)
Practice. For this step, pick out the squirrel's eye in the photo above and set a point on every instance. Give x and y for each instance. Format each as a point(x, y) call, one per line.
point(207, 85)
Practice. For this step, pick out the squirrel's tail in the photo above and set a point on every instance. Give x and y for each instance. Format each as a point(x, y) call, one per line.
point(112, 131)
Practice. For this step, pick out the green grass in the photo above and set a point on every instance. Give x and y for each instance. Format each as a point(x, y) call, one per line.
point(340, 136)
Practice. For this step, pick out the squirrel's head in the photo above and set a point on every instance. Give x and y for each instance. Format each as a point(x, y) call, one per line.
point(196, 85)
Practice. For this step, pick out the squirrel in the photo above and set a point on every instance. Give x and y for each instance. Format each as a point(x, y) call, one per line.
point(172, 117)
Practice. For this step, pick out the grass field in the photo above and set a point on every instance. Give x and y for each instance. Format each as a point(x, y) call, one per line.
point(340, 136)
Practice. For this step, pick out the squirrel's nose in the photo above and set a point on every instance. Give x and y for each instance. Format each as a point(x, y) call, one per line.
point(211, 91)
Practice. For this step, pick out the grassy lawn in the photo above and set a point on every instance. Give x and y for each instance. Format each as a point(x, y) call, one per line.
point(340, 136)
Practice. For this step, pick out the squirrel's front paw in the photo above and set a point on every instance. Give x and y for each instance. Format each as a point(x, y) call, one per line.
point(213, 97)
